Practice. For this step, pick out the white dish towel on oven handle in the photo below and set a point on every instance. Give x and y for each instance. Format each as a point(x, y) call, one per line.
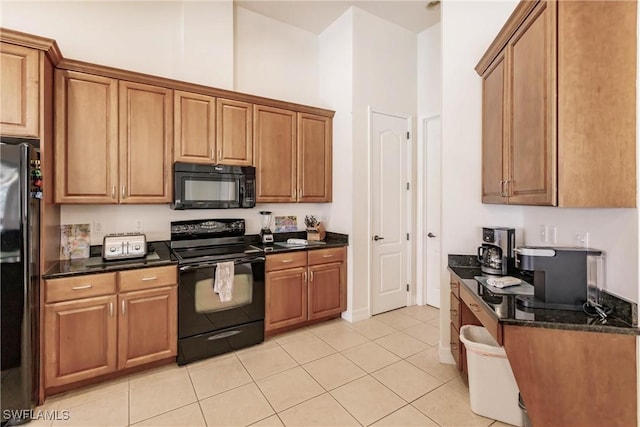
point(223, 283)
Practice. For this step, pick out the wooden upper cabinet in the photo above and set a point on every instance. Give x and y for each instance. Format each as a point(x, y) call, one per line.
point(314, 158)
point(19, 89)
point(275, 154)
point(194, 128)
point(146, 142)
point(494, 166)
point(234, 132)
point(86, 149)
point(531, 171)
point(597, 53)
point(569, 106)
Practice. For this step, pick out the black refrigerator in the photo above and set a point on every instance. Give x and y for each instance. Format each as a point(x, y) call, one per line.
point(20, 273)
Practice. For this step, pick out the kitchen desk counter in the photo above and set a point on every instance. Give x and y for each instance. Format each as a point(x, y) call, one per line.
point(159, 255)
point(506, 310)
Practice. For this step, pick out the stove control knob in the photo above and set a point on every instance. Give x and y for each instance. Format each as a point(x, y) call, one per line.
point(192, 227)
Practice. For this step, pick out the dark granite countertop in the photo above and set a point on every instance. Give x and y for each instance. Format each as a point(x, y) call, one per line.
point(509, 312)
point(332, 240)
point(158, 255)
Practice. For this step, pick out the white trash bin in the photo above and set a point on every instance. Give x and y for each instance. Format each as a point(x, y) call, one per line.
point(493, 391)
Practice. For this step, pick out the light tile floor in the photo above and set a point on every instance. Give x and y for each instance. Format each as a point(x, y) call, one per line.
point(383, 371)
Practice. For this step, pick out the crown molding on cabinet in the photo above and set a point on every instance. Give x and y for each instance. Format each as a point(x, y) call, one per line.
point(50, 46)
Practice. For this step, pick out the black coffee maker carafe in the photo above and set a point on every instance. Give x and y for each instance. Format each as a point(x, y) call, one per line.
point(496, 255)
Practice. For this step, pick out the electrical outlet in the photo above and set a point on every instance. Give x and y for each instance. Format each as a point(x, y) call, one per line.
point(139, 224)
point(544, 234)
point(581, 239)
point(97, 227)
point(553, 235)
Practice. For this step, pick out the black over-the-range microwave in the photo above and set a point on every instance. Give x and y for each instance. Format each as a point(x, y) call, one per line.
point(200, 186)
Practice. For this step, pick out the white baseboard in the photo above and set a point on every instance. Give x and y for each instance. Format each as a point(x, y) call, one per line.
point(445, 356)
point(356, 315)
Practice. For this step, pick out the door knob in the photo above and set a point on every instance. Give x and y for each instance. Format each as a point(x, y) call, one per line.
point(431, 235)
point(376, 238)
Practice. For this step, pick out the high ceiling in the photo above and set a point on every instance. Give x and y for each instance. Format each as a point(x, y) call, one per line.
point(316, 15)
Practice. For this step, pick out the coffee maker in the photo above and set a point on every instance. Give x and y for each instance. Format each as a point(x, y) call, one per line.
point(563, 278)
point(496, 253)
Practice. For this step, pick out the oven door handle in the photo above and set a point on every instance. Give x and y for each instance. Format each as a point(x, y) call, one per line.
point(213, 263)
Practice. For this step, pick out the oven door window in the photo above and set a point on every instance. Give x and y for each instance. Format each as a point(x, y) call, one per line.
point(207, 301)
point(222, 190)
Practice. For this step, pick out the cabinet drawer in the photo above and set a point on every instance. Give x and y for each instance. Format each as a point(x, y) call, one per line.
point(71, 288)
point(147, 278)
point(454, 344)
point(286, 260)
point(323, 256)
point(454, 310)
point(482, 314)
point(455, 286)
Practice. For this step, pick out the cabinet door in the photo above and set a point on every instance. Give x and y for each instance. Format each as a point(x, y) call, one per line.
point(327, 290)
point(234, 132)
point(146, 142)
point(195, 128)
point(493, 132)
point(314, 158)
point(275, 154)
point(285, 298)
point(532, 137)
point(79, 339)
point(19, 89)
point(86, 148)
point(147, 328)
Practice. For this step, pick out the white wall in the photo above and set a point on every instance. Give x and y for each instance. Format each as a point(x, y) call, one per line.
point(613, 230)
point(274, 59)
point(156, 218)
point(336, 92)
point(468, 27)
point(429, 80)
point(189, 41)
point(384, 69)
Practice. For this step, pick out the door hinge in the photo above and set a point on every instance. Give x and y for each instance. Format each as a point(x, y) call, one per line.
point(407, 236)
point(407, 185)
point(407, 287)
point(408, 137)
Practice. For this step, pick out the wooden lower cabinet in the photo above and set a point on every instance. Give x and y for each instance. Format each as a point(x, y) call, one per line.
point(286, 298)
point(80, 339)
point(327, 291)
point(313, 289)
point(88, 337)
point(147, 328)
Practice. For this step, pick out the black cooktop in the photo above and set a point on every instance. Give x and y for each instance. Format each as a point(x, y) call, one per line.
point(216, 252)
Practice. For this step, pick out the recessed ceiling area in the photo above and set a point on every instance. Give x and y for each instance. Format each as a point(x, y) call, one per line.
point(316, 15)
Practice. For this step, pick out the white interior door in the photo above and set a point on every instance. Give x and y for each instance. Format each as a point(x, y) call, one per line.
point(389, 212)
point(433, 142)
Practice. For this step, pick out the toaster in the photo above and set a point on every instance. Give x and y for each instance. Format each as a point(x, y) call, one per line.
point(124, 246)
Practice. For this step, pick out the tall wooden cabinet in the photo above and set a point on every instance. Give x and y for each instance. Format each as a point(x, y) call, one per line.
point(113, 140)
point(20, 99)
point(293, 156)
point(234, 132)
point(559, 106)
